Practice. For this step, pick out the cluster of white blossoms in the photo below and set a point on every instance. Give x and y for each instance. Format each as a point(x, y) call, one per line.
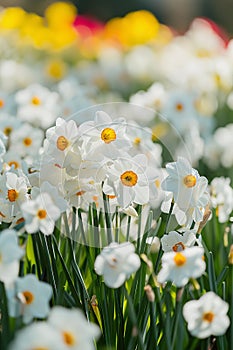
point(51, 166)
point(29, 298)
point(84, 161)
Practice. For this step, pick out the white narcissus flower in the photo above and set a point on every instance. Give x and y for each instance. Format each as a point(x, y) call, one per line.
point(62, 136)
point(30, 298)
point(179, 109)
point(37, 105)
point(26, 140)
point(76, 332)
point(182, 180)
point(207, 316)
point(221, 195)
point(39, 335)
point(40, 214)
point(154, 97)
point(116, 263)
point(17, 191)
point(188, 187)
point(104, 137)
point(10, 254)
point(181, 266)
point(177, 242)
point(128, 181)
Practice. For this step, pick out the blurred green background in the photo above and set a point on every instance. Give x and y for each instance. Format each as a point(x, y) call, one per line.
point(176, 13)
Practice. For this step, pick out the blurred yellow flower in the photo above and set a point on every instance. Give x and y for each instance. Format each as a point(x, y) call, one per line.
point(60, 14)
point(135, 28)
point(56, 69)
point(12, 18)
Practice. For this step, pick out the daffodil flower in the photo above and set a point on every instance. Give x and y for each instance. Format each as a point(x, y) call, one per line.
point(207, 316)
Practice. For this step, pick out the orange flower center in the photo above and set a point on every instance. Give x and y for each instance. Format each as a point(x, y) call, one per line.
point(179, 259)
point(35, 101)
point(190, 181)
point(7, 130)
point(208, 316)
point(62, 143)
point(80, 193)
point(1, 103)
point(13, 162)
point(12, 195)
point(111, 196)
point(113, 262)
point(137, 141)
point(41, 214)
point(19, 221)
point(129, 178)
point(178, 247)
point(28, 297)
point(108, 135)
point(69, 338)
point(27, 141)
point(179, 107)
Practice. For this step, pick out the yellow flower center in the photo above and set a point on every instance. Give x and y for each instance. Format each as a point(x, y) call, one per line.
point(28, 297)
point(35, 101)
point(27, 141)
point(179, 107)
point(108, 135)
point(208, 316)
point(190, 181)
point(178, 247)
point(56, 69)
point(69, 338)
point(129, 178)
point(62, 143)
point(7, 130)
point(40, 348)
point(12, 195)
point(137, 141)
point(158, 131)
point(179, 259)
point(1, 103)
point(41, 214)
point(157, 183)
point(13, 162)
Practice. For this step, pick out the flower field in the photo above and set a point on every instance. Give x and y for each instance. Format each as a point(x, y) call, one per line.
point(116, 197)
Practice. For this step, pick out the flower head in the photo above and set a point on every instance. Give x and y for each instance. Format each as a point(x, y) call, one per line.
point(128, 181)
point(39, 335)
point(179, 266)
point(116, 263)
point(177, 242)
point(30, 298)
point(76, 332)
point(40, 214)
point(207, 316)
point(10, 254)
